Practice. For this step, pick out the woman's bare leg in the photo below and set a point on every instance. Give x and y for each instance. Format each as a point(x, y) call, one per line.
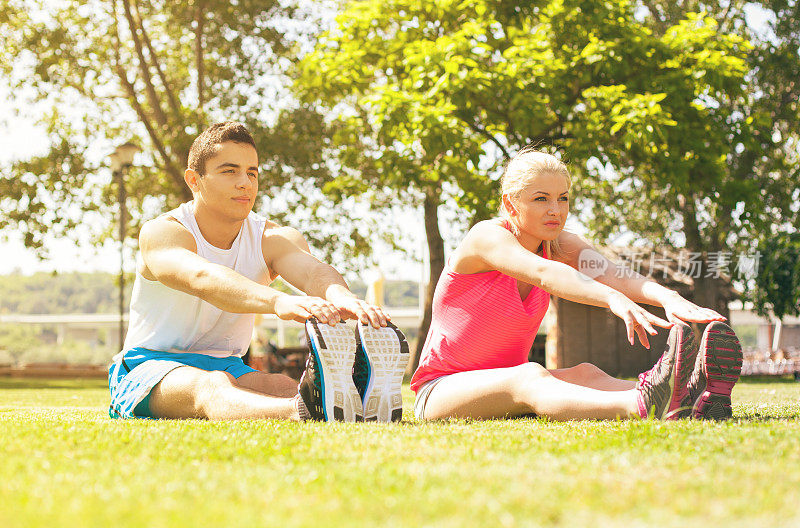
point(527, 388)
point(591, 376)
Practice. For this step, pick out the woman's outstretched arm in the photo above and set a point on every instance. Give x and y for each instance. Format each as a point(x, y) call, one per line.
point(489, 246)
point(575, 251)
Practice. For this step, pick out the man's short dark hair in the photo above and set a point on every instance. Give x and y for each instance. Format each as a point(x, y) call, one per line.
point(204, 145)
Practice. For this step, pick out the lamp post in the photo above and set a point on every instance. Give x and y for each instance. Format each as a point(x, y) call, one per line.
point(121, 160)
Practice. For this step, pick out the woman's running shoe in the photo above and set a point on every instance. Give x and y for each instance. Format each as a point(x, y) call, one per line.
point(718, 365)
point(663, 388)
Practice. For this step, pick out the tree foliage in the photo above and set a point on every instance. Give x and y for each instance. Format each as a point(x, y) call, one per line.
point(433, 96)
point(776, 288)
point(753, 187)
point(65, 293)
point(157, 72)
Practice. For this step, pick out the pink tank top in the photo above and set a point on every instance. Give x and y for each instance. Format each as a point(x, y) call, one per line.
point(479, 322)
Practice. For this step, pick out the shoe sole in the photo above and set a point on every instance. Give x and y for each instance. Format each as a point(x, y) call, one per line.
point(722, 366)
point(685, 357)
point(334, 349)
point(670, 381)
point(387, 355)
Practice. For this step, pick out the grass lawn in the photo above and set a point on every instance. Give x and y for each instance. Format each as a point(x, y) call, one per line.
point(65, 463)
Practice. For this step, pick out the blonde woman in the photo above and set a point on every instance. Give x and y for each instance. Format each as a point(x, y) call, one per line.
point(493, 295)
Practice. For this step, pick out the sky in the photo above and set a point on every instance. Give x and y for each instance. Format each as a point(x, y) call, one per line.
point(20, 138)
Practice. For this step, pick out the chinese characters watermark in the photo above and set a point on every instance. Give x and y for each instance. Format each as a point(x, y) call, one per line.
point(681, 266)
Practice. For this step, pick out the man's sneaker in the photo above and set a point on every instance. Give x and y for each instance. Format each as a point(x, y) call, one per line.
point(326, 386)
point(718, 365)
point(663, 387)
point(381, 359)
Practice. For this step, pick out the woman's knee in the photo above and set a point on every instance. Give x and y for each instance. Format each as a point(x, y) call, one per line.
point(588, 371)
point(532, 369)
point(527, 377)
point(587, 368)
point(528, 373)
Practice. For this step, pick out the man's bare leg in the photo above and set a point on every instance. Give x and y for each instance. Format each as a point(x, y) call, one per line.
point(527, 388)
point(591, 376)
point(189, 392)
point(278, 385)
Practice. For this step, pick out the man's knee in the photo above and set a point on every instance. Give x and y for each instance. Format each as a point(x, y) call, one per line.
point(187, 392)
point(207, 389)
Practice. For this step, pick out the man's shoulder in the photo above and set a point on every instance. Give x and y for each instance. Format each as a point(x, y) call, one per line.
point(166, 230)
point(163, 222)
point(275, 231)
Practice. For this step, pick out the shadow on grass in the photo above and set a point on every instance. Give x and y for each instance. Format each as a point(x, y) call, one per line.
point(746, 380)
point(41, 383)
point(766, 419)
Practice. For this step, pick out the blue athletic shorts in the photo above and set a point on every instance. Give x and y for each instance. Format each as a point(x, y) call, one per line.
point(131, 379)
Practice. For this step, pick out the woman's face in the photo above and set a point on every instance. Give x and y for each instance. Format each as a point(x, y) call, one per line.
point(541, 209)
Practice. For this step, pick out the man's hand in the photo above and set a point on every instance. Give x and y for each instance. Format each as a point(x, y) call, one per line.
point(679, 309)
point(353, 308)
point(637, 319)
point(301, 308)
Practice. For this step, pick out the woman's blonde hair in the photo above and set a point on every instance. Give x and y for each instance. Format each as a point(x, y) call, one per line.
point(526, 165)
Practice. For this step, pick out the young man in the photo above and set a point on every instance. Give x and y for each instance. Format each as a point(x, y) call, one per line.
point(202, 275)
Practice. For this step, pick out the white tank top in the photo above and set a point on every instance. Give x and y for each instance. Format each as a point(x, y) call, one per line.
point(168, 320)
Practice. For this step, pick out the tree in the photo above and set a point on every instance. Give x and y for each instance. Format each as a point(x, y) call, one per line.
point(152, 70)
point(427, 100)
point(722, 204)
point(775, 291)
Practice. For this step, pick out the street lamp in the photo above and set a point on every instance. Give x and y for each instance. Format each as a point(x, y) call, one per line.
point(121, 160)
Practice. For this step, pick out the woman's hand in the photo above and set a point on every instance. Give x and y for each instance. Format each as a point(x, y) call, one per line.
point(637, 319)
point(679, 309)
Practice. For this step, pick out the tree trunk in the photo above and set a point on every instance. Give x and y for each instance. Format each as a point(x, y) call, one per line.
point(709, 292)
point(435, 267)
point(199, 60)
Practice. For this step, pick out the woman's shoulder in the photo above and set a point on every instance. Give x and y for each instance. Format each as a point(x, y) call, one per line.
point(467, 258)
point(490, 227)
point(485, 231)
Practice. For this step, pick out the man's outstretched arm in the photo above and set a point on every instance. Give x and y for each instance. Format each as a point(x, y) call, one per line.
point(287, 253)
point(170, 256)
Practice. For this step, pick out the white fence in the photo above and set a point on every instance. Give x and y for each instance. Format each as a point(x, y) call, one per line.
point(86, 326)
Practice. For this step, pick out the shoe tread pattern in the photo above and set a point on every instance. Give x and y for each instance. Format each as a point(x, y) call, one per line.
point(722, 366)
point(387, 352)
point(336, 351)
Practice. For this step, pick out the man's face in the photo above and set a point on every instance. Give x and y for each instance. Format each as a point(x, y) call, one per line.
point(230, 183)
